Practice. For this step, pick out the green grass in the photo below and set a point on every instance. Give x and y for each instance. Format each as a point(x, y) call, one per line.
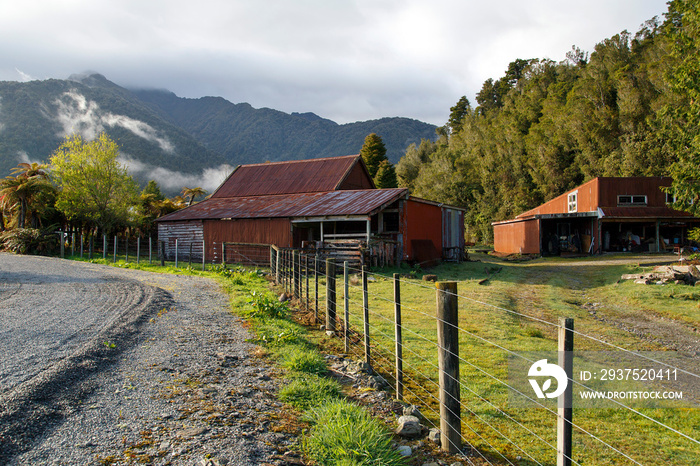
point(309, 391)
point(492, 317)
point(304, 360)
point(345, 434)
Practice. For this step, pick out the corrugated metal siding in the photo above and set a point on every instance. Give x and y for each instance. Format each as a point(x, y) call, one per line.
point(587, 201)
point(330, 203)
point(422, 221)
point(297, 176)
point(275, 231)
point(521, 237)
point(610, 188)
point(187, 234)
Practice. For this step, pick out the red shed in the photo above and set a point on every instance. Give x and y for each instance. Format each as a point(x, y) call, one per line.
point(316, 203)
point(604, 214)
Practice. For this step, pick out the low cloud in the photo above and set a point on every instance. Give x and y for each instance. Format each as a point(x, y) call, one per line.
point(174, 181)
point(23, 157)
point(77, 115)
point(24, 77)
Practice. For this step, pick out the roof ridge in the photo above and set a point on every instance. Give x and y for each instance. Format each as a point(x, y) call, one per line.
point(279, 162)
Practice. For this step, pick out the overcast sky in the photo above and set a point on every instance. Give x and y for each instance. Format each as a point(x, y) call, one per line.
point(346, 60)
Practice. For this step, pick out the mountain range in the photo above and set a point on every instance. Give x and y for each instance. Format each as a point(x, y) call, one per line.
point(177, 141)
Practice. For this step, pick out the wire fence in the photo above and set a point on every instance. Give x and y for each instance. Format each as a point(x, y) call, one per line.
point(462, 360)
point(456, 360)
point(180, 253)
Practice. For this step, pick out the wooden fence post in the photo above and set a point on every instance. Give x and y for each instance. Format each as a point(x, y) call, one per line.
point(306, 275)
point(448, 363)
point(316, 288)
point(330, 296)
point(223, 254)
point(189, 257)
point(277, 268)
point(82, 245)
point(115, 248)
point(176, 252)
point(300, 286)
point(564, 403)
point(63, 243)
point(72, 244)
point(104, 247)
point(204, 255)
point(295, 274)
point(126, 249)
point(150, 251)
point(397, 334)
point(365, 315)
point(346, 320)
point(138, 250)
point(285, 269)
point(272, 265)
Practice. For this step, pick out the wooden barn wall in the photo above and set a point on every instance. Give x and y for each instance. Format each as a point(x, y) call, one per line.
point(610, 188)
point(421, 221)
point(257, 231)
point(186, 233)
point(356, 179)
point(517, 237)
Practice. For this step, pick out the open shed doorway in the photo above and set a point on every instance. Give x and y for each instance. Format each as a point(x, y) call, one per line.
point(567, 236)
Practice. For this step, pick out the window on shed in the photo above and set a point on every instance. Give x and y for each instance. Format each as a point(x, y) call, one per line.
point(573, 202)
point(627, 200)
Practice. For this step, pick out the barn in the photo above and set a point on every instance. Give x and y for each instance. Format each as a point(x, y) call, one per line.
point(324, 204)
point(603, 215)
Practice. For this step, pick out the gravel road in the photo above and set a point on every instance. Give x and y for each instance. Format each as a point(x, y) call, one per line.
point(100, 365)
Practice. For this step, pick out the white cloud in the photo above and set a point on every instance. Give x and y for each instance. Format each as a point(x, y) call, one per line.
point(24, 77)
point(345, 60)
point(77, 115)
point(23, 157)
point(174, 181)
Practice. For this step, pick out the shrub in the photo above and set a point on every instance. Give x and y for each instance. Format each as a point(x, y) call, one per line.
point(29, 241)
point(345, 434)
point(265, 305)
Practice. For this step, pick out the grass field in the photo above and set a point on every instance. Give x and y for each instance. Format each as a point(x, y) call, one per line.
point(511, 313)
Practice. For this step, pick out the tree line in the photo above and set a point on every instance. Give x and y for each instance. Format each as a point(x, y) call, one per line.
point(84, 188)
point(629, 108)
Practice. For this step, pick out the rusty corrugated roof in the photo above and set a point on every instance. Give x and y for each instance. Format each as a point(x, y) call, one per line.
point(331, 203)
point(295, 176)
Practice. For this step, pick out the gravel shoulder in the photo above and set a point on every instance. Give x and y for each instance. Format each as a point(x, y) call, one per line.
point(132, 367)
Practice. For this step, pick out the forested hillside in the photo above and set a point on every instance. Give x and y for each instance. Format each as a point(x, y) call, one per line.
point(547, 126)
point(248, 135)
point(178, 142)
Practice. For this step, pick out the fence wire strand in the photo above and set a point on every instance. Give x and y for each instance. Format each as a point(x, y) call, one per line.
point(384, 357)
